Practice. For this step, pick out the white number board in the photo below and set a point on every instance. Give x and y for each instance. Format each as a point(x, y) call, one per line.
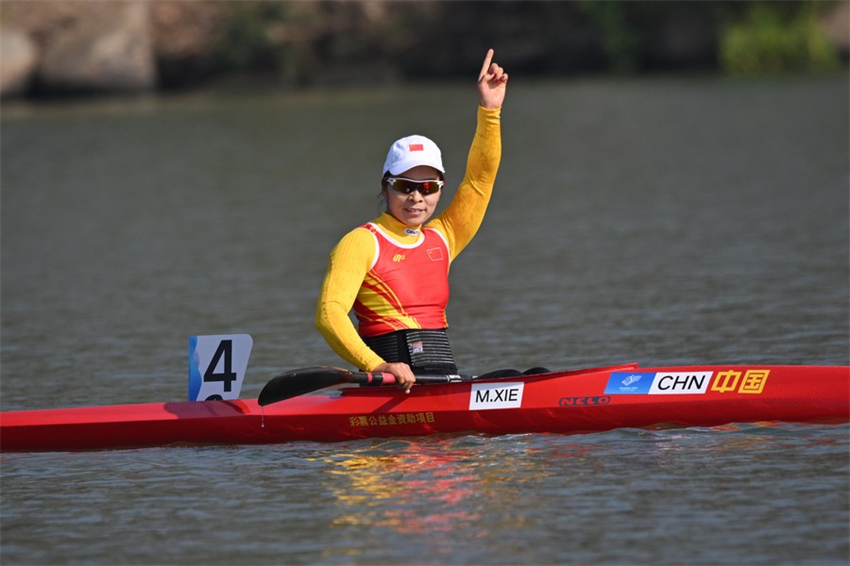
point(217, 366)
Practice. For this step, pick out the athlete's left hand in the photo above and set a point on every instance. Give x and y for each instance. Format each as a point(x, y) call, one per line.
point(492, 83)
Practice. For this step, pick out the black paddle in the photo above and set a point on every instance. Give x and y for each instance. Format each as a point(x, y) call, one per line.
point(301, 381)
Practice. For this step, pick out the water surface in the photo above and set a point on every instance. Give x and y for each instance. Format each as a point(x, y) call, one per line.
point(659, 221)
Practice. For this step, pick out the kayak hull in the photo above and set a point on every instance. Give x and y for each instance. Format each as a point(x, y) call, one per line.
point(577, 401)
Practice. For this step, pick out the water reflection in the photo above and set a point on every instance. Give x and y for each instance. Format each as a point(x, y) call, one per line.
point(431, 486)
point(458, 495)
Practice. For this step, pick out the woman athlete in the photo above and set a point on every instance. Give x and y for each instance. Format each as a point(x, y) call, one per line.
point(393, 271)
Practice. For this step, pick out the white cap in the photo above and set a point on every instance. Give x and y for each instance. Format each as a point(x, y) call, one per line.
point(409, 152)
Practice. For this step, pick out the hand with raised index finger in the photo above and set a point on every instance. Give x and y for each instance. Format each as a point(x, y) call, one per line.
point(492, 83)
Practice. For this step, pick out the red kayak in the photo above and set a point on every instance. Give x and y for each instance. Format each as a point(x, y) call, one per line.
point(577, 401)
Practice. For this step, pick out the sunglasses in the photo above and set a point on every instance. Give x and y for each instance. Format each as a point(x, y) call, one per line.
point(407, 186)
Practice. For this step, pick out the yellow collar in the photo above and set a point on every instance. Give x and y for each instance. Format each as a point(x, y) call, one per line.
point(398, 230)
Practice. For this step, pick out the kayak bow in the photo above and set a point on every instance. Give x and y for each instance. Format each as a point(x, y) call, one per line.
point(560, 402)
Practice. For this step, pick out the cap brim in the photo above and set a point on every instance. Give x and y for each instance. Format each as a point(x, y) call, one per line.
point(407, 165)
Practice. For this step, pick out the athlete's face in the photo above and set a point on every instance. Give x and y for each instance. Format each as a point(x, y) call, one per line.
point(413, 209)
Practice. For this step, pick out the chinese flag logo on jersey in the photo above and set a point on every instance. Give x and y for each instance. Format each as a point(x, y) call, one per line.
point(436, 254)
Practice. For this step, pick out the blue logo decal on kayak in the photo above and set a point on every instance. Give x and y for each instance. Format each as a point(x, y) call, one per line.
point(631, 379)
point(629, 383)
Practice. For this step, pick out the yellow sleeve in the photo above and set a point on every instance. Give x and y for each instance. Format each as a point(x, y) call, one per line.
point(349, 261)
point(462, 218)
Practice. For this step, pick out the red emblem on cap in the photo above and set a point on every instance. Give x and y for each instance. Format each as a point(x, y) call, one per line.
point(416, 147)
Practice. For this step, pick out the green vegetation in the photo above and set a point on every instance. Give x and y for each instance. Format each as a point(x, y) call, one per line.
point(302, 43)
point(624, 28)
point(776, 38)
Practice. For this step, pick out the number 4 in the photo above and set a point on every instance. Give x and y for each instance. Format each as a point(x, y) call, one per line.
point(217, 366)
point(228, 376)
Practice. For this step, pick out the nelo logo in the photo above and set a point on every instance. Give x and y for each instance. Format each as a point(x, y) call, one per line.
point(583, 401)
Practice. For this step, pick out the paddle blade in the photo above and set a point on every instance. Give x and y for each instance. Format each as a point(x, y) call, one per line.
point(301, 381)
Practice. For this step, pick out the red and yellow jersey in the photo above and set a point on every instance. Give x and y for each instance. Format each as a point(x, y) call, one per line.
point(407, 285)
point(363, 275)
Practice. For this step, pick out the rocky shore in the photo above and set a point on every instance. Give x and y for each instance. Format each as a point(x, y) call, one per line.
point(78, 47)
point(86, 46)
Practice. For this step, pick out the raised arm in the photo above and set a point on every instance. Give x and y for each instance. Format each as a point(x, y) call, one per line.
point(462, 218)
